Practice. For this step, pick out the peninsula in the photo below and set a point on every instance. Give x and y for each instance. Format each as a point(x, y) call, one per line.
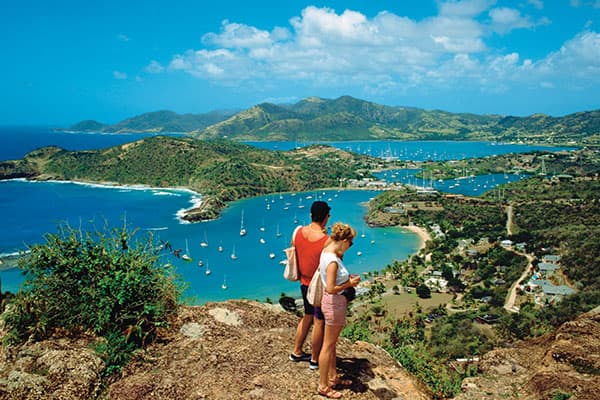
point(220, 170)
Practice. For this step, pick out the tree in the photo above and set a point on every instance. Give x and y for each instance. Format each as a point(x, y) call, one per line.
point(423, 291)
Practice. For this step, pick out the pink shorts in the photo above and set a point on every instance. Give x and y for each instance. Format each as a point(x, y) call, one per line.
point(334, 307)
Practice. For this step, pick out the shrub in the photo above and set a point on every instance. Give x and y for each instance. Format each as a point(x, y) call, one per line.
point(105, 284)
point(423, 291)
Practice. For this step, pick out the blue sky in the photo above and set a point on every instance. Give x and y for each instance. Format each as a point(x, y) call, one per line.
point(68, 60)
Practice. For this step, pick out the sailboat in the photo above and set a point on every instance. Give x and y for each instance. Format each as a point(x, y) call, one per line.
point(200, 263)
point(185, 256)
point(224, 284)
point(271, 255)
point(242, 229)
point(207, 272)
point(278, 233)
point(262, 240)
point(233, 256)
point(220, 248)
point(205, 242)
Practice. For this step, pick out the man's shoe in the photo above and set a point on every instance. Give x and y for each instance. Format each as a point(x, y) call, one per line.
point(313, 364)
point(303, 357)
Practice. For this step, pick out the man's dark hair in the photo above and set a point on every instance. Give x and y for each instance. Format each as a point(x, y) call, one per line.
point(319, 211)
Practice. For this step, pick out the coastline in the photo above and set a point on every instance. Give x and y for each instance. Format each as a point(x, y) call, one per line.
point(422, 233)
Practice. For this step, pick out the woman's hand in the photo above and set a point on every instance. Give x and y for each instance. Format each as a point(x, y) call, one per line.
point(354, 280)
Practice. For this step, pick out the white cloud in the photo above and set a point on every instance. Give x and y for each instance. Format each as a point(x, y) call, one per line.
point(539, 4)
point(119, 75)
point(578, 57)
point(154, 67)
point(123, 38)
point(465, 8)
point(326, 49)
point(239, 36)
point(506, 19)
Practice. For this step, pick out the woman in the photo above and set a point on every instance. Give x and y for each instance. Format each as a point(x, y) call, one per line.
point(309, 242)
point(336, 279)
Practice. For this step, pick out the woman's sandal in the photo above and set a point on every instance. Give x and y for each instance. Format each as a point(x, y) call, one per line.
point(329, 393)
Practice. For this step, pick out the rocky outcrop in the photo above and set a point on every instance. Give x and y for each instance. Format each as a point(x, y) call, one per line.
point(229, 350)
point(566, 361)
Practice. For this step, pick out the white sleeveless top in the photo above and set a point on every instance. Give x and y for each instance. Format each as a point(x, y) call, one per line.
point(342, 273)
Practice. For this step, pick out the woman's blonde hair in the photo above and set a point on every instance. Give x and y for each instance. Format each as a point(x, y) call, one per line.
point(341, 231)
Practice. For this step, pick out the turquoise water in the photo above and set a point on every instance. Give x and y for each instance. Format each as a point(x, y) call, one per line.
point(29, 209)
point(470, 186)
point(419, 150)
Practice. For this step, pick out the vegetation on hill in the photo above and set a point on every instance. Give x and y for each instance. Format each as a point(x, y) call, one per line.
point(348, 118)
point(106, 284)
point(550, 215)
point(221, 170)
point(582, 162)
point(158, 121)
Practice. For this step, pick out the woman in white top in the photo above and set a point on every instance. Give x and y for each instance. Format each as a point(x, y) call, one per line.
point(336, 279)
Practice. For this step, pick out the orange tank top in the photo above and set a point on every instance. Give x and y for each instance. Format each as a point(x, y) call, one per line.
point(309, 254)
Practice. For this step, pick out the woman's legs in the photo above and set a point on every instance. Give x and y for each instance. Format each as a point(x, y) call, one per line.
point(327, 358)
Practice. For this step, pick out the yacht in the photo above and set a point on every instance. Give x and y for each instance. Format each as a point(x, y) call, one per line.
point(233, 256)
point(224, 284)
point(205, 242)
point(186, 256)
point(242, 229)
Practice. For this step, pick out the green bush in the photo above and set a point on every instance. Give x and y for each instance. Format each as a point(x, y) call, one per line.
point(105, 284)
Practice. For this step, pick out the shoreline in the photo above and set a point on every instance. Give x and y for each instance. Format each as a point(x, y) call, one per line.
point(422, 233)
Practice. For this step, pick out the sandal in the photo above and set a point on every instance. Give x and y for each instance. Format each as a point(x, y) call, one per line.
point(329, 393)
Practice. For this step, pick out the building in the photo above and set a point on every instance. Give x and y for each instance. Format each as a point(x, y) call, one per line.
point(550, 258)
point(547, 267)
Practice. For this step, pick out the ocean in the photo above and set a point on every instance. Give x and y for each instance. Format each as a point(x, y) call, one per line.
point(28, 210)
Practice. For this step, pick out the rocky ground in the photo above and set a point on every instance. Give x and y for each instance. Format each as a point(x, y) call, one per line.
point(229, 350)
point(566, 361)
point(239, 350)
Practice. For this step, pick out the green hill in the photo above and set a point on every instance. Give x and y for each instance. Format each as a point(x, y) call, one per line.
point(158, 121)
point(348, 118)
point(222, 170)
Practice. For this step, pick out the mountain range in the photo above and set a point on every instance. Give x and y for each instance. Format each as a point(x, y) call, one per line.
point(348, 118)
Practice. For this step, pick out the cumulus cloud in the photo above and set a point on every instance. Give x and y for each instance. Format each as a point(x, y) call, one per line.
point(119, 75)
point(539, 4)
point(578, 57)
point(386, 52)
point(154, 67)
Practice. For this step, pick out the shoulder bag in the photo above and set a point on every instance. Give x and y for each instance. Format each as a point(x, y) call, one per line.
point(315, 289)
point(291, 265)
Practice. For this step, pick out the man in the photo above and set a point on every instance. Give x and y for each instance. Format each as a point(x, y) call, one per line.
point(309, 241)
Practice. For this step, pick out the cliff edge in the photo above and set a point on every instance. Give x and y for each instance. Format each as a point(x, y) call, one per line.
point(229, 350)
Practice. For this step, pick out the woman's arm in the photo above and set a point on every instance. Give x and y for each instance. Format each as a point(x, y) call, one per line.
point(330, 286)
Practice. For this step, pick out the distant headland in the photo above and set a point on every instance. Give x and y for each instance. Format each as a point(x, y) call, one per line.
point(348, 118)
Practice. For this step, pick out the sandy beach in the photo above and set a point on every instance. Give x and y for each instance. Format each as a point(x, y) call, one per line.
point(421, 232)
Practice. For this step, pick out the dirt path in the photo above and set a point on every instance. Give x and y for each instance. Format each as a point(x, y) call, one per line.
point(509, 304)
point(509, 219)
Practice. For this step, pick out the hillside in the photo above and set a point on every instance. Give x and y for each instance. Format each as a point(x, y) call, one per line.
point(232, 350)
point(158, 121)
point(560, 365)
point(221, 170)
point(348, 118)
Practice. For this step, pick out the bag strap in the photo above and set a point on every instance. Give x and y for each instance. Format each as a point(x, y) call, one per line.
point(294, 234)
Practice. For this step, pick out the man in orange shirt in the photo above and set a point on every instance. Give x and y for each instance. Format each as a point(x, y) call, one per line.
point(309, 242)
